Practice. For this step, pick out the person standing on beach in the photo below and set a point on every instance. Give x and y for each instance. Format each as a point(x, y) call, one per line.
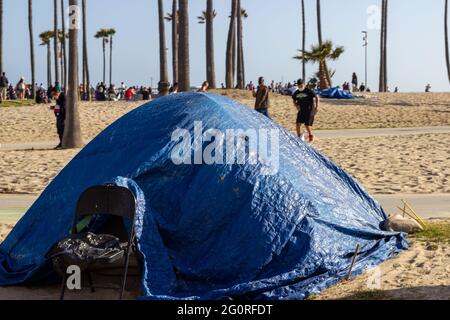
point(354, 81)
point(60, 114)
point(4, 83)
point(261, 94)
point(307, 103)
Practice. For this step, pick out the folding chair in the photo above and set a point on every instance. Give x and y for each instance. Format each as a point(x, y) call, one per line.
point(109, 200)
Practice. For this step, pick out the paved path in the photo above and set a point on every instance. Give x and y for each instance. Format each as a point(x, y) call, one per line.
point(321, 134)
point(367, 133)
point(12, 207)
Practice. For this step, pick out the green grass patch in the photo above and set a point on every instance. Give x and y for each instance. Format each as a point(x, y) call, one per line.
point(17, 103)
point(438, 232)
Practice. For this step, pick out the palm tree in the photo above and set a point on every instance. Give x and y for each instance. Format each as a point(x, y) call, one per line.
point(207, 18)
point(46, 41)
point(303, 39)
point(183, 52)
point(103, 34)
point(55, 39)
point(231, 49)
point(1, 36)
point(111, 33)
point(163, 74)
point(240, 46)
point(30, 29)
point(86, 76)
point(63, 47)
point(447, 51)
point(383, 47)
point(72, 133)
point(321, 54)
point(173, 18)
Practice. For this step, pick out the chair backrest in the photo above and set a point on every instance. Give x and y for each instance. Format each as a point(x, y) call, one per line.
point(106, 200)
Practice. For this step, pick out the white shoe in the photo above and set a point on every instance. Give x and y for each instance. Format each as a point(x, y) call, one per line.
point(302, 137)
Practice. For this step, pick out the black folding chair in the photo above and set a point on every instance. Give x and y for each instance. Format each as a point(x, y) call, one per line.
point(109, 200)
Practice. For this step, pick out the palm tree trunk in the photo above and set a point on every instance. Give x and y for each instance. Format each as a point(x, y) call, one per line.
point(382, 49)
point(49, 65)
point(241, 54)
point(324, 84)
point(385, 84)
point(319, 34)
point(104, 60)
point(183, 53)
point(210, 61)
point(229, 74)
point(72, 133)
point(303, 39)
point(110, 59)
point(175, 40)
point(55, 39)
point(163, 74)
point(30, 28)
point(64, 49)
point(240, 76)
point(87, 83)
point(61, 63)
point(447, 50)
point(1, 36)
point(319, 22)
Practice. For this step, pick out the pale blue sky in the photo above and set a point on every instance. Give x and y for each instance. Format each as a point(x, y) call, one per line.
point(272, 36)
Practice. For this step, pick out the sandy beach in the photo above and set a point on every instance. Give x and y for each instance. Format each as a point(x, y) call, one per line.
point(384, 165)
point(37, 123)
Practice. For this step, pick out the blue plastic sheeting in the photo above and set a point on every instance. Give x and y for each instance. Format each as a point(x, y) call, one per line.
point(336, 93)
point(212, 231)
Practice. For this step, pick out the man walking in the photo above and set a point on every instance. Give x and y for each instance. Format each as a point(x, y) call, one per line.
point(307, 103)
point(262, 98)
point(4, 83)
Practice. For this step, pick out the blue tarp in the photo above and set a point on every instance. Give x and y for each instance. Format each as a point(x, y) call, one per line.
point(212, 231)
point(336, 93)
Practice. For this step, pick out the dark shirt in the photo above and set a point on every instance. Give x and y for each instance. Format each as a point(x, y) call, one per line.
point(61, 112)
point(304, 99)
point(262, 98)
point(4, 82)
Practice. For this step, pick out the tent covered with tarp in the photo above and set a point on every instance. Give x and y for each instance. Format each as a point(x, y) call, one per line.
point(212, 231)
point(336, 93)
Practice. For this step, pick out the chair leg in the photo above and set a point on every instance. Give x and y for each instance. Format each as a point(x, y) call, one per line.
point(63, 287)
point(91, 282)
point(125, 274)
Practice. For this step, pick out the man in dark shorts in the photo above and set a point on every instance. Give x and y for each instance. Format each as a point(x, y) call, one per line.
point(307, 103)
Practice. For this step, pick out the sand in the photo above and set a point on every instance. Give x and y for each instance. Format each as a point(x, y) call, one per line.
point(421, 273)
point(37, 123)
point(416, 164)
point(4, 230)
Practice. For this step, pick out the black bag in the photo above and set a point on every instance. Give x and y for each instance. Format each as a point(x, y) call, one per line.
point(84, 250)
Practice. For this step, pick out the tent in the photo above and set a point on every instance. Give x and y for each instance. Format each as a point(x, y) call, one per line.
point(213, 231)
point(336, 93)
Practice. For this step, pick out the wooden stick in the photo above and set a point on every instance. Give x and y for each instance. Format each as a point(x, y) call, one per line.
point(421, 222)
point(353, 262)
point(409, 215)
